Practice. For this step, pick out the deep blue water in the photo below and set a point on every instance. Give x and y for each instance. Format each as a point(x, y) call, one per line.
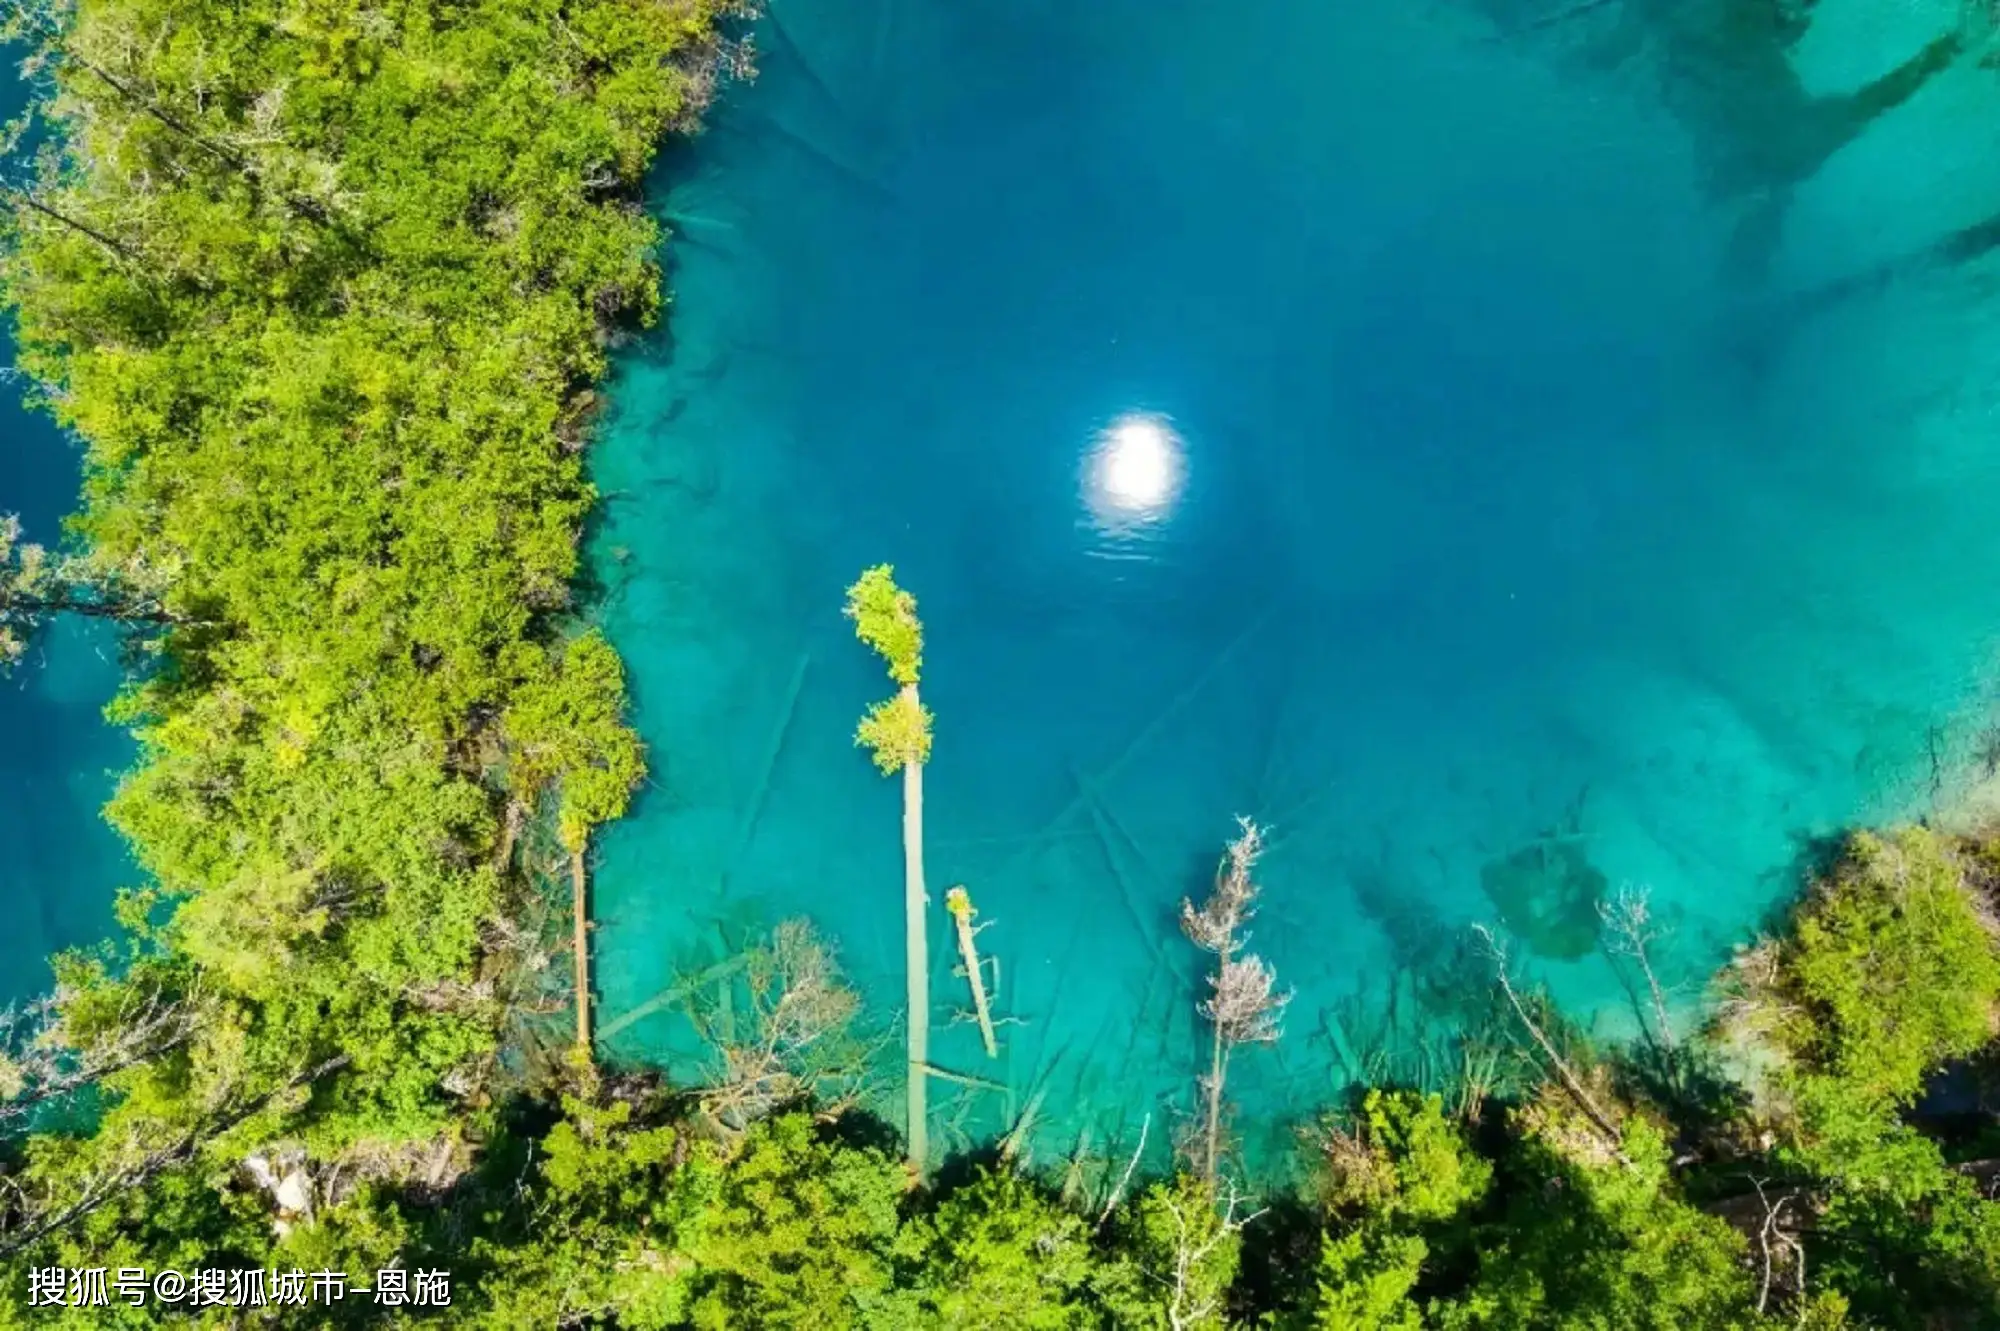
point(1538, 530)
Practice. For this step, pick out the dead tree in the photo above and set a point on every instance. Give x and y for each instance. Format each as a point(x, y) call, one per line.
point(135, 1163)
point(1243, 1006)
point(958, 903)
point(45, 1056)
point(1566, 1075)
point(1124, 1180)
point(1779, 1246)
point(793, 1039)
point(36, 585)
point(1628, 928)
point(579, 899)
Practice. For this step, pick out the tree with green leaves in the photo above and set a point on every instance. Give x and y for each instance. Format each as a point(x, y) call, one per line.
point(1888, 974)
point(1000, 1251)
point(601, 1226)
point(323, 292)
point(897, 733)
point(566, 729)
point(1391, 1183)
point(1582, 1243)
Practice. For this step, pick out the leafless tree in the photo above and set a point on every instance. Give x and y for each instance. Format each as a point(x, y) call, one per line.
point(1628, 928)
point(1778, 1246)
point(34, 1209)
point(36, 584)
point(1751, 1001)
point(1125, 1179)
point(1566, 1075)
point(1352, 1168)
point(794, 1040)
point(1243, 1005)
point(1217, 925)
point(46, 1054)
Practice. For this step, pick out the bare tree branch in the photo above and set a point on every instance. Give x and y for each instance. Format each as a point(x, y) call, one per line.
point(795, 1040)
point(1628, 928)
point(1242, 1006)
point(43, 1058)
point(1565, 1074)
point(137, 1173)
point(1118, 1192)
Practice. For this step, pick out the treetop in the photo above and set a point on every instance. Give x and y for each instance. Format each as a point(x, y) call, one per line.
point(885, 617)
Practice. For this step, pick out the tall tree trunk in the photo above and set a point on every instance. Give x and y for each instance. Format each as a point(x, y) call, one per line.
point(1565, 1075)
point(68, 603)
point(579, 899)
point(29, 201)
point(959, 903)
point(916, 959)
point(1218, 1067)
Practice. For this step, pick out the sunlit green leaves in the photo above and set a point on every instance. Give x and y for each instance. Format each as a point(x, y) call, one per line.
point(896, 732)
point(322, 290)
point(885, 617)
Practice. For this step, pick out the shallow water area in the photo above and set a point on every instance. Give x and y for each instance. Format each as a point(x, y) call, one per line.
point(61, 861)
point(1426, 429)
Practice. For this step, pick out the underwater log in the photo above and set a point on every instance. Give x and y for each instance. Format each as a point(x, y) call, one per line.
point(959, 903)
point(579, 901)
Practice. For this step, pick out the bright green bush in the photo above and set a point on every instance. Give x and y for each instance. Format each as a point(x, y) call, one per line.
point(1890, 967)
point(997, 1251)
point(603, 1231)
point(801, 1233)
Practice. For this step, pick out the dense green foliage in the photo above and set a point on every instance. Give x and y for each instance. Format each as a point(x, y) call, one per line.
point(885, 617)
point(1891, 972)
point(1816, 1202)
point(323, 288)
point(896, 731)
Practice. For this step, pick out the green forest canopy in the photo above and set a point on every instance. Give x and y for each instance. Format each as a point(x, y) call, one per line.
point(325, 290)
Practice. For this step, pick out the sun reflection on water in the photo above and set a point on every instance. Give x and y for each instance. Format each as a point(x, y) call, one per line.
point(1134, 471)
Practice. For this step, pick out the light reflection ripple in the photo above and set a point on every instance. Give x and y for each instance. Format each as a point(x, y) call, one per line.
point(1133, 473)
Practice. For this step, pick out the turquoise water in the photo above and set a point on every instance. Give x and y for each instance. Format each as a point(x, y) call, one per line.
point(60, 863)
point(1585, 474)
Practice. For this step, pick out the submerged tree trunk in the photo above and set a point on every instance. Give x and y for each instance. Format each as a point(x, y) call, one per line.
point(1218, 1066)
point(579, 898)
point(70, 603)
point(959, 902)
point(916, 957)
